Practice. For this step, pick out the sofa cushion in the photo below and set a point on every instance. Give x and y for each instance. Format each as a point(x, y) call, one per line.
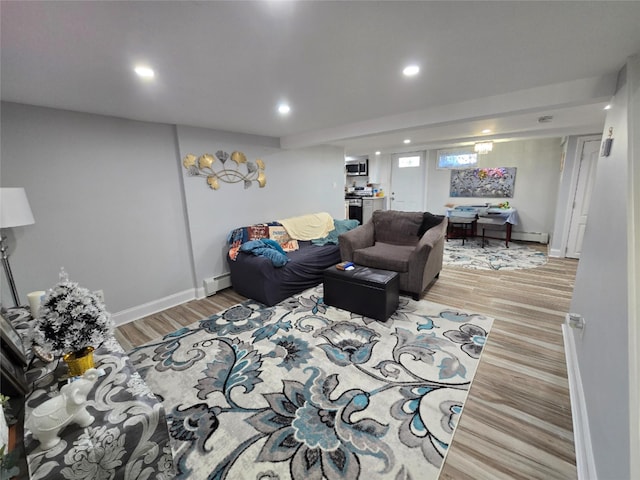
point(258, 232)
point(384, 256)
point(397, 228)
point(280, 235)
point(342, 226)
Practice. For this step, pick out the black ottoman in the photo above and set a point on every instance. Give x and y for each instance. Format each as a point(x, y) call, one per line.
point(363, 290)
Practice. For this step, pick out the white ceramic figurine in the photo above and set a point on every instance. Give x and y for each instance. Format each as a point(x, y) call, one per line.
point(46, 421)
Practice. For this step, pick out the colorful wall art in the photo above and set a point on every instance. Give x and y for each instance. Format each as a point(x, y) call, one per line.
point(483, 182)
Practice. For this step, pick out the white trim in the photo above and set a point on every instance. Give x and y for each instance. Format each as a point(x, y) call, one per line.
point(581, 435)
point(134, 313)
point(555, 253)
point(200, 293)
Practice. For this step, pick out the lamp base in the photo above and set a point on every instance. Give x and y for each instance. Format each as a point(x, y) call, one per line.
point(7, 270)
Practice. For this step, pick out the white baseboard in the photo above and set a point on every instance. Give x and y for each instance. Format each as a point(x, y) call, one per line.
point(581, 434)
point(556, 253)
point(134, 313)
point(201, 293)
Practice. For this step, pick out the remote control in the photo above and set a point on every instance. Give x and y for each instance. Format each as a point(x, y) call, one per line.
point(345, 266)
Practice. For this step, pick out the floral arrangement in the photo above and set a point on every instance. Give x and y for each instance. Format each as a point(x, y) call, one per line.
point(71, 318)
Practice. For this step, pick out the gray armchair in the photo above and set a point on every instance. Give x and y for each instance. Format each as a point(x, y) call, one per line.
point(410, 243)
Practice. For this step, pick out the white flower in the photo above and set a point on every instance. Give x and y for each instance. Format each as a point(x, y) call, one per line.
point(71, 318)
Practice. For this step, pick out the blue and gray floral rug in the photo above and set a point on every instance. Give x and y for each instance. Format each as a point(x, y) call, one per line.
point(494, 256)
point(306, 391)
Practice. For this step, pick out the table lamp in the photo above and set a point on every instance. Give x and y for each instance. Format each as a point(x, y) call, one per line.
point(14, 212)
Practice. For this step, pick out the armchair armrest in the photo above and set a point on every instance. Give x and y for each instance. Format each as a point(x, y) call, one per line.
point(434, 234)
point(360, 237)
point(424, 246)
point(426, 259)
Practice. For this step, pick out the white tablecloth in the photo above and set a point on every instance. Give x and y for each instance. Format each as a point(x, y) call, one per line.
point(494, 216)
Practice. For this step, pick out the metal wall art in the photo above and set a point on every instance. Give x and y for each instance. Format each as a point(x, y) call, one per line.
point(202, 166)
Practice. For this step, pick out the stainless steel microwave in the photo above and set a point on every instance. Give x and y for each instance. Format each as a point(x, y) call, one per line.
point(357, 167)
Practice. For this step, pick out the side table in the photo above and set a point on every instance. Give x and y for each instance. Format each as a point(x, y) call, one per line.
point(366, 291)
point(129, 437)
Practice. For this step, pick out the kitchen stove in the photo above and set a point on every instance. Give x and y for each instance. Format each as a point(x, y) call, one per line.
point(359, 192)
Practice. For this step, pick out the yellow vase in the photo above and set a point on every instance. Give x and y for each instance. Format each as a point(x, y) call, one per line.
point(79, 362)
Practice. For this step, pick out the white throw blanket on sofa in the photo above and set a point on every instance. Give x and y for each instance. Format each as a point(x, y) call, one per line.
point(308, 227)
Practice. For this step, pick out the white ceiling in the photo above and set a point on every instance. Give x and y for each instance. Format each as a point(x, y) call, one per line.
point(226, 65)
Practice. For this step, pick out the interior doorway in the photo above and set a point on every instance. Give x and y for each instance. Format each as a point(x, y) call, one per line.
point(584, 186)
point(408, 180)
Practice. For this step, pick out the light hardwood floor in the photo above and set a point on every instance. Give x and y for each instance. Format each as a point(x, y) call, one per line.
point(516, 423)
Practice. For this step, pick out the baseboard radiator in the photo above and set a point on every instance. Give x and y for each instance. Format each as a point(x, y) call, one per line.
point(217, 283)
point(540, 237)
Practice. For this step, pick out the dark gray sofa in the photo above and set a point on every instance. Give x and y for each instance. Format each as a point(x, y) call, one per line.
point(298, 251)
point(255, 277)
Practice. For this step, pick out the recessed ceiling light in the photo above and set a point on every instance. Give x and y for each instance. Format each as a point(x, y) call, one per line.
point(378, 152)
point(283, 108)
point(407, 140)
point(144, 72)
point(608, 107)
point(486, 130)
point(411, 70)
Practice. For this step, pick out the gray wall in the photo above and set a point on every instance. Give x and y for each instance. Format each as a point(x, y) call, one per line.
point(600, 295)
point(633, 67)
point(113, 205)
point(298, 182)
point(536, 189)
point(536, 186)
point(106, 196)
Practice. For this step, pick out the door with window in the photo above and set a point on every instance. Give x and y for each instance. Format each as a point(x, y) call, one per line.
point(408, 179)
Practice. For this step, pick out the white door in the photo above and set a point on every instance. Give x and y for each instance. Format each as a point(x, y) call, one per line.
point(586, 177)
point(408, 175)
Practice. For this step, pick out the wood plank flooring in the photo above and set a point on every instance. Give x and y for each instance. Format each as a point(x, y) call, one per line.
point(516, 422)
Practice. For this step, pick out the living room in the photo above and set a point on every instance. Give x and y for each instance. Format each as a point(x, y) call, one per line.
point(113, 206)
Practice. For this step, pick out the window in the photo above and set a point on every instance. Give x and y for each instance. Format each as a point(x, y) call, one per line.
point(459, 158)
point(405, 162)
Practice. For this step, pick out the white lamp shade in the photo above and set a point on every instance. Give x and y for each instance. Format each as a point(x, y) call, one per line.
point(14, 208)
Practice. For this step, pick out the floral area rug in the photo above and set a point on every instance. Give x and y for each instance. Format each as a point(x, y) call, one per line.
point(494, 256)
point(306, 391)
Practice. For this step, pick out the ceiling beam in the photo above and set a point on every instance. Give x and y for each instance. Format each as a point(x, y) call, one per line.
point(540, 99)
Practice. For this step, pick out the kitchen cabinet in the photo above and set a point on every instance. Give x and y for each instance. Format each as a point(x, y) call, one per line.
point(369, 205)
